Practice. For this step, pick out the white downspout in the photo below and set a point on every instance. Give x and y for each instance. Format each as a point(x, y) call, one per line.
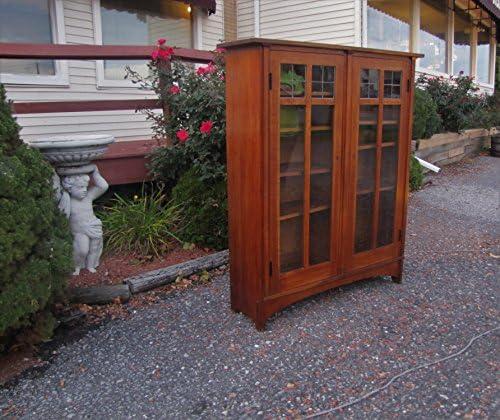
point(256, 18)
point(428, 165)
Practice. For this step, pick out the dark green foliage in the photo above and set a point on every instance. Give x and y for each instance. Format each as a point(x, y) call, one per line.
point(9, 140)
point(204, 209)
point(458, 102)
point(426, 120)
point(416, 174)
point(35, 241)
point(145, 224)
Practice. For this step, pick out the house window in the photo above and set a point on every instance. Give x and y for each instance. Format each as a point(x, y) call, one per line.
point(462, 45)
point(33, 22)
point(483, 56)
point(432, 35)
point(142, 23)
point(389, 24)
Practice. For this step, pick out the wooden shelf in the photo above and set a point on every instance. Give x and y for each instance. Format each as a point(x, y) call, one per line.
point(287, 130)
point(321, 128)
point(300, 171)
point(367, 146)
point(319, 208)
point(388, 143)
point(293, 211)
point(369, 191)
point(368, 122)
point(317, 171)
point(390, 122)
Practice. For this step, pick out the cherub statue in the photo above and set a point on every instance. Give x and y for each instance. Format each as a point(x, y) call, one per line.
point(76, 202)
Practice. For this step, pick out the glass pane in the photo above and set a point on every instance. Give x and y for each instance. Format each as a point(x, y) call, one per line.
point(323, 80)
point(366, 170)
point(392, 84)
point(389, 24)
point(292, 81)
point(363, 233)
point(461, 45)
point(291, 196)
point(319, 237)
point(26, 21)
point(292, 120)
point(390, 127)
point(433, 28)
point(291, 244)
point(483, 57)
point(369, 83)
point(321, 136)
point(389, 167)
point(321, 187)
point(142, 23)
point(368, 124)
point(386, 218)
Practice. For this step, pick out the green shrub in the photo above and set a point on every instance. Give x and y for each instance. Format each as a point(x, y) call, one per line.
point(204, 209)
point(144, 224)
point(35, 241)
point(458, 102)
point(416, 174)
point(426, 120)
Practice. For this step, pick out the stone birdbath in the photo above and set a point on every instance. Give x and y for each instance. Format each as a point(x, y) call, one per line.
point(72, 158)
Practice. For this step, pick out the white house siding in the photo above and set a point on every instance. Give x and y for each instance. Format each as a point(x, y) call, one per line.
point(213, 28)
point(329, 21)
point(124, 125)
point(245, 18)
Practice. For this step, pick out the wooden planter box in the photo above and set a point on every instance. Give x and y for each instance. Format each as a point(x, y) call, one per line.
point(445, 148)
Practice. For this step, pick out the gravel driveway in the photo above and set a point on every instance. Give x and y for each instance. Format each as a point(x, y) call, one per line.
point(190, 356)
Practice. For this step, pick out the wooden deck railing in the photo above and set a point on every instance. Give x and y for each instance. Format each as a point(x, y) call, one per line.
point(90, 52)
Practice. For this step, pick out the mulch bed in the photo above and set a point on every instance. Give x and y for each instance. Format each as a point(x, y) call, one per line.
point(114, 268)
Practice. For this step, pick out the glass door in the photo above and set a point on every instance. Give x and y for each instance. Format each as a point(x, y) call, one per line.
point(305, 131)
point(378, 142)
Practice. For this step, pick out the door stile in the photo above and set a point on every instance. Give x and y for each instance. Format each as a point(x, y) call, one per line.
point(378, 159)
point(307, 165)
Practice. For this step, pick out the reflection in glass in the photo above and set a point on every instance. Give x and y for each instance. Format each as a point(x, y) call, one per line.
point(461, 45)
point(323, 79)
point(483, 57)
point(291, 195)
point(368, 123)
point(363, 232)
point(26, 21)
point(292, 138)
point(386, 218)
point(390, 127)
point(292, 80)
point(321, 188)
point(432, 36)
point(388, 24)
point(392, 84)
point(321, 136)
point(369, 83)
point(291, 244)
point(366, 170)
point(142, 23)
point(389, 167)
point(319, 234)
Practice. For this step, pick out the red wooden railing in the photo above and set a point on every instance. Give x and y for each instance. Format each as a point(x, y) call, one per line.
point(91, 52)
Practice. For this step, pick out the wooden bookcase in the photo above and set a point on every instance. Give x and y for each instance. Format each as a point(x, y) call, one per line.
point(318, 145)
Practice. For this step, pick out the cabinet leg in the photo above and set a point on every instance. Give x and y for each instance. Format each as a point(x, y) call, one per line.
point(397, 279)
point(260, 324)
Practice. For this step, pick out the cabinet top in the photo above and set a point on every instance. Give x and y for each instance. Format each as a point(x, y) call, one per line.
point(265, 42)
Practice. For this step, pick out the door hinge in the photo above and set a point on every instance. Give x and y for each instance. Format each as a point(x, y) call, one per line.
point(408, 84)
point(270, 268)
point(400, 235)
point(270, 80)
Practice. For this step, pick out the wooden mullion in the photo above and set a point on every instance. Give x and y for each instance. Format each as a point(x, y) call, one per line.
point(378, 159)
point(307, 165)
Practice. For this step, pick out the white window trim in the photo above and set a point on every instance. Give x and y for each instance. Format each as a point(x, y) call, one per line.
point(414, 43)
point(102, 82)
point(61, 78)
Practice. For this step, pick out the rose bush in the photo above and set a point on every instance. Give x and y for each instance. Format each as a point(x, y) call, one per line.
point(192, 138)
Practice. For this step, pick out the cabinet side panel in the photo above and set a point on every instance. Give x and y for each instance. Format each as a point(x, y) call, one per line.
point(246, 169)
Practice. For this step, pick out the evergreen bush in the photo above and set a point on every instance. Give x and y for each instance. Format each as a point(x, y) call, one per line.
point(416, 174)
point(35, 240)
point(426, 120)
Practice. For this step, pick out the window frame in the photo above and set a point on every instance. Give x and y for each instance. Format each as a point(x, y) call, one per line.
point(61, 76)
point(101, 80)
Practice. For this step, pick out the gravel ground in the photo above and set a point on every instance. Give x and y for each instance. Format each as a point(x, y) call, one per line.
point(190, 356)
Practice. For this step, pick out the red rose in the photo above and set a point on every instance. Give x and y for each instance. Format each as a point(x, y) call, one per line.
point(201, 71)
point(220, 50)
point(174, 89)
point(206, 126)
point(182, 135)
point(154, 55)
point(161, 41)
